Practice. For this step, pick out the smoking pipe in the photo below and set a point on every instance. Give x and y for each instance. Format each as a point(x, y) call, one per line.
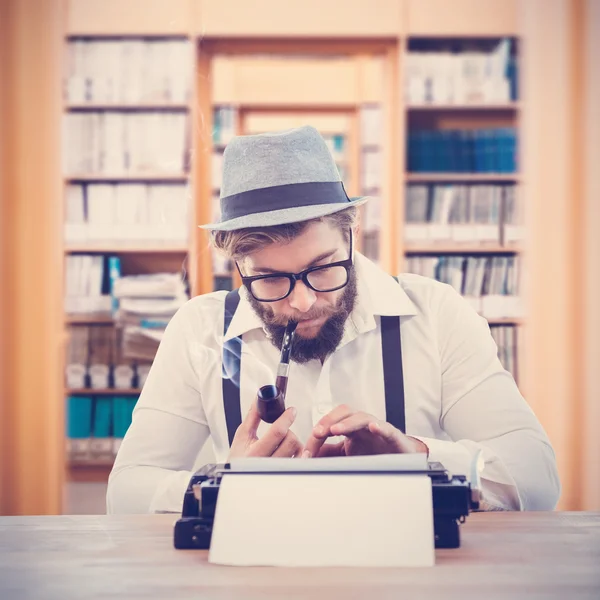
point(271, 398)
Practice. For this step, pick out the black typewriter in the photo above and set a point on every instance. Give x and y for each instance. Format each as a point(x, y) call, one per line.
point(453, 499)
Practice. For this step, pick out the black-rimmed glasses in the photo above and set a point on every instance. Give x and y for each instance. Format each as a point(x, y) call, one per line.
point(277, 286)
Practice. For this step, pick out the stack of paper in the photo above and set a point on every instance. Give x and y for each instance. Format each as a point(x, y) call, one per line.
point(146, 305)
point(85, 291)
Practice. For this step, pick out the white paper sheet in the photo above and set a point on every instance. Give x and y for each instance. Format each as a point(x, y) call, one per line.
point(324, 520)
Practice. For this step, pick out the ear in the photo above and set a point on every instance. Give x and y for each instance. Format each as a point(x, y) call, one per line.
point(357, 227)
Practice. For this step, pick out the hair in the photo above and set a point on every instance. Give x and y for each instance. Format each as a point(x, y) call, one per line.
point(239, 243)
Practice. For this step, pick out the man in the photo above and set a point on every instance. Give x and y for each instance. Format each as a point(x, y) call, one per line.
point(378, 365)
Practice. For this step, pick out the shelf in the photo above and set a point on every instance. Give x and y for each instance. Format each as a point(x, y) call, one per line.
point(370, 192)
point(506, 321)
point(511, 106)
point(458, 249)
point(127, 107)
point(95, 463)
point(139, 177)
point(102, 392)
point(116, 248)
point(89, 320)
point(468, 177)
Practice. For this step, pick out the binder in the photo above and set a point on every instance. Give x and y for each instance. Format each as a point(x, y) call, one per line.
point(122, 412)
point(79, 427)
point(76, 374)
point(101, 441)
point(100, 358)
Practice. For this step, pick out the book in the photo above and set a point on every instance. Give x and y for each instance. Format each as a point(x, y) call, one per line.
point(471, 215)
point(441, 72)
point(484, 150)
point(123, 144)
point(79, 426)
point(127, 72)
point(489, 283)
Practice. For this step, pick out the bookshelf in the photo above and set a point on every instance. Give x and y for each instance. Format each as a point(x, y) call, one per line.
point(464, 108)
point(240, 99)
point(89, 320)
point(507, 321)
point(103, 392)
point(140, 177)
point(123, 249)
point(459, 249)
point(132, 94)
point(461, 177)
point(151, 106)
point(384, 28)
point(105, 464)
point(554, 117)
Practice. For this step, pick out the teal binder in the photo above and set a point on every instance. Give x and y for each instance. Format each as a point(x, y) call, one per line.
point(79, 426)
point(79, 417)
point(122, 412)
point(101, 445)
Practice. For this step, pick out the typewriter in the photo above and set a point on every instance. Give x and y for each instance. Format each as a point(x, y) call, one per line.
point(454, 497)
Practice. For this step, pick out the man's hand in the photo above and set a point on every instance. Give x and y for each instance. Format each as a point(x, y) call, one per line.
point(365, 434)
point(278, 441)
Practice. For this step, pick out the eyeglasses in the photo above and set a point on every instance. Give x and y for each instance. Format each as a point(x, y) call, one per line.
point(277, 286)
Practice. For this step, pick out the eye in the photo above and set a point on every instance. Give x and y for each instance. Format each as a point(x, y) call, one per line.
point(273, 281)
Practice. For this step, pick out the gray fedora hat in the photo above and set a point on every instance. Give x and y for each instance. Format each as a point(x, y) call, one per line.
point(281, 177)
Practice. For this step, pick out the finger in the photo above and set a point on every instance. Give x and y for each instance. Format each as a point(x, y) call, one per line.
point(290, 446)
point(251, 422)
point(331, 450)
point(390, 434)
point(275, 435)
point(353, 423)
point(321, 429)
point(314, 444)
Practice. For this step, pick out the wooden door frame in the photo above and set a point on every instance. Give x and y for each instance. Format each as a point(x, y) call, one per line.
point(31, 221)
point(393, 147)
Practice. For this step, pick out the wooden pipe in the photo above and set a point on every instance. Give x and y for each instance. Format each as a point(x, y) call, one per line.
point(271, 398)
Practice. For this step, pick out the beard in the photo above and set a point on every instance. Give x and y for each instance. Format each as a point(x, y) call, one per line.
point(330, 334)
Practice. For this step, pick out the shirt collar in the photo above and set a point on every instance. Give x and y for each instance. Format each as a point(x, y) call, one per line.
point(244, 319)
point(378, 294)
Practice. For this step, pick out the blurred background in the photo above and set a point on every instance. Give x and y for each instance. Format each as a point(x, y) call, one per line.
point(474, 124)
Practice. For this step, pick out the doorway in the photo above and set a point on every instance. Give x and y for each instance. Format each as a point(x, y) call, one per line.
point(349, 90)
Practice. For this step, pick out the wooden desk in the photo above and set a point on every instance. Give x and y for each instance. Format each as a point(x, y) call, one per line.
point(504, 555)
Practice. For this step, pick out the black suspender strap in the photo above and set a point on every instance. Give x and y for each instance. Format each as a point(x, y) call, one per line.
point(232, 354)
point(393, 375)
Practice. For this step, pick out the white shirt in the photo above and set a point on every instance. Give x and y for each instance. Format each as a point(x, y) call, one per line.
point(458, 397)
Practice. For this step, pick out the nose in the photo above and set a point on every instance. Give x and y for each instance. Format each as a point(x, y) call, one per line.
point(302, 297)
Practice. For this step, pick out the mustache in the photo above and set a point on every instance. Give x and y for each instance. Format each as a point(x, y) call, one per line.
point(283, 320)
